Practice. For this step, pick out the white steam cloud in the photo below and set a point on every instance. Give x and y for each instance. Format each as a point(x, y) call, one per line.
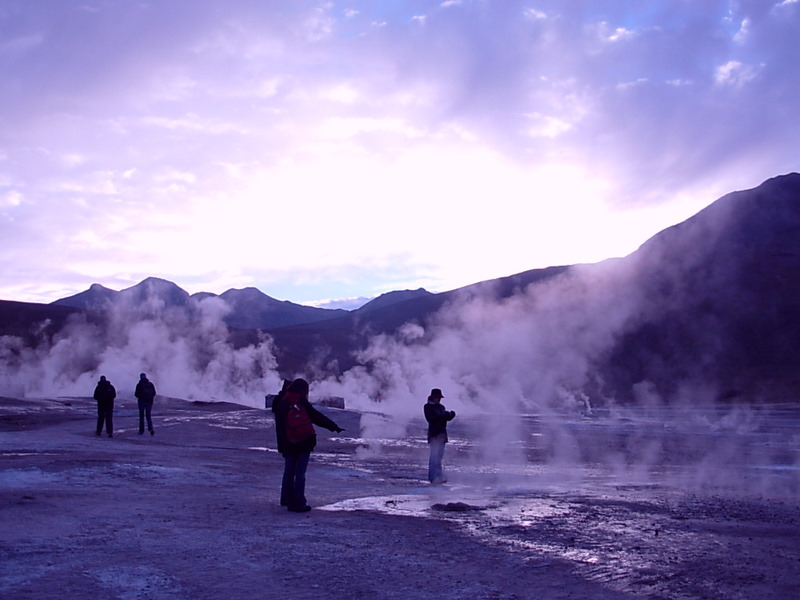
point(187, 354)
point(528, 353)
point(534, 354)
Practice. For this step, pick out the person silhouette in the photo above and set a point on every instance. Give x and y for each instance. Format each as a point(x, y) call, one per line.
point(437, 417)
point(145, 395)
point(105, 393)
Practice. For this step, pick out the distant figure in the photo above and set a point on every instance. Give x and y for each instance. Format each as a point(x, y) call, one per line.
point(105, 393)
point(145, 393)
point(294, 428)
point(437, 418)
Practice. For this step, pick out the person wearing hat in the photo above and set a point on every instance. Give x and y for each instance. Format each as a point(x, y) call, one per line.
point(105, 393)
point(294, 420)
point(145, 395)
point(437, 417)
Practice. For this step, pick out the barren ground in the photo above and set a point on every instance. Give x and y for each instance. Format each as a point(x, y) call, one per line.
point(192, 513)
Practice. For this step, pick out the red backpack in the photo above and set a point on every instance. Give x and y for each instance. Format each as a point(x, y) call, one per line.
point(298, 422)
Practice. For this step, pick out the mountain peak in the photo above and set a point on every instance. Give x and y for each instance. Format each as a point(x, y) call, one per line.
point(156, 282)
point(97, 297)
point(155, 288)
point(244, 294)
point(390, 298)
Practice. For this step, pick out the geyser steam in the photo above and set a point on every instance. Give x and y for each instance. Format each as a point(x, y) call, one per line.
point(187, 353)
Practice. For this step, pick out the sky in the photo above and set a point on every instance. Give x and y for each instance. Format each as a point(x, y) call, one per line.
point(326, 151)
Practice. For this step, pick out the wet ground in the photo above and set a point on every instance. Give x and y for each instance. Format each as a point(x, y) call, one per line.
point(640, 505)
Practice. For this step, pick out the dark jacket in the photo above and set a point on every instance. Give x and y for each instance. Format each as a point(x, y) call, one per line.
point(145, 391)
point(280, 406)
point(437, 418)
point(104, 392)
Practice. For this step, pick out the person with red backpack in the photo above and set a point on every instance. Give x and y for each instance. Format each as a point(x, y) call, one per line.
point(294, 428)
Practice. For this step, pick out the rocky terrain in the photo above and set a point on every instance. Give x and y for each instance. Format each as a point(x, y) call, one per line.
point(192, 513)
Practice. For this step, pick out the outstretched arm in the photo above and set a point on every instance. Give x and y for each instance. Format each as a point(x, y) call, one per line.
point(317, 418)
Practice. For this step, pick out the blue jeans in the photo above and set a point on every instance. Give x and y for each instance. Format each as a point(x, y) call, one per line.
point(293, 486)
point(435, 471)
point(145, 410)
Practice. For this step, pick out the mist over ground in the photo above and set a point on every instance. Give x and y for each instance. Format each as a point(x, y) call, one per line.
point(500, 364)
point(528, 353)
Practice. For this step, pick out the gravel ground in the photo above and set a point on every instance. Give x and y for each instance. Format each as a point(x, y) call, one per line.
point(192, 513)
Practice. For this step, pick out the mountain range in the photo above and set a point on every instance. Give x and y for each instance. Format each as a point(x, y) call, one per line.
point(716, 298)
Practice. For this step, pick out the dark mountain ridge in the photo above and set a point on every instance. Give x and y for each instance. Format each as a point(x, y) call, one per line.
point(723, 296)
point(253, 309)
point(334, 343)
point(30, 321)
point(250, 308)
point(393, 298)
point(97, 297)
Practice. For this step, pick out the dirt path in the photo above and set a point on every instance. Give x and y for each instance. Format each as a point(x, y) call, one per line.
point(191, 513)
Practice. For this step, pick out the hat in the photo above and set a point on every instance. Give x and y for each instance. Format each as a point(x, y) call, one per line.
point(299, 386)
point(142, 376)
point(436, 393)
point(102, 377)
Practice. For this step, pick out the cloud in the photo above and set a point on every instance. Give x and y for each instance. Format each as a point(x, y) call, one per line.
point(12, 198)
point(735, 74)
point(269, 106)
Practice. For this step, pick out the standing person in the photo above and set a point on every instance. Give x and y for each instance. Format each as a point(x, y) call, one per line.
point(105, 393)
point(437, 418)
point(145, 394)
point(294, 428)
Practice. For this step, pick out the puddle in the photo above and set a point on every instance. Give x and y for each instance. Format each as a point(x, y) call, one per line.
point(446, 502)
point(28, 454)
point(263, 449)
point(378, 443)
point(409, 505)
point(25, 478)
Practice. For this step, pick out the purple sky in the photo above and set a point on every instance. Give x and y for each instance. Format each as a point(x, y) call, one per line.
point(344, 149)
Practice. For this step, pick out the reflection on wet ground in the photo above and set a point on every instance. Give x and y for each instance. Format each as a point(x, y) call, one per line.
point(753, 451)
point(642, 498)
point(647, 537)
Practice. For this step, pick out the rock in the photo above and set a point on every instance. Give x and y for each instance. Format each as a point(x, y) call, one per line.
point(456, 507)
